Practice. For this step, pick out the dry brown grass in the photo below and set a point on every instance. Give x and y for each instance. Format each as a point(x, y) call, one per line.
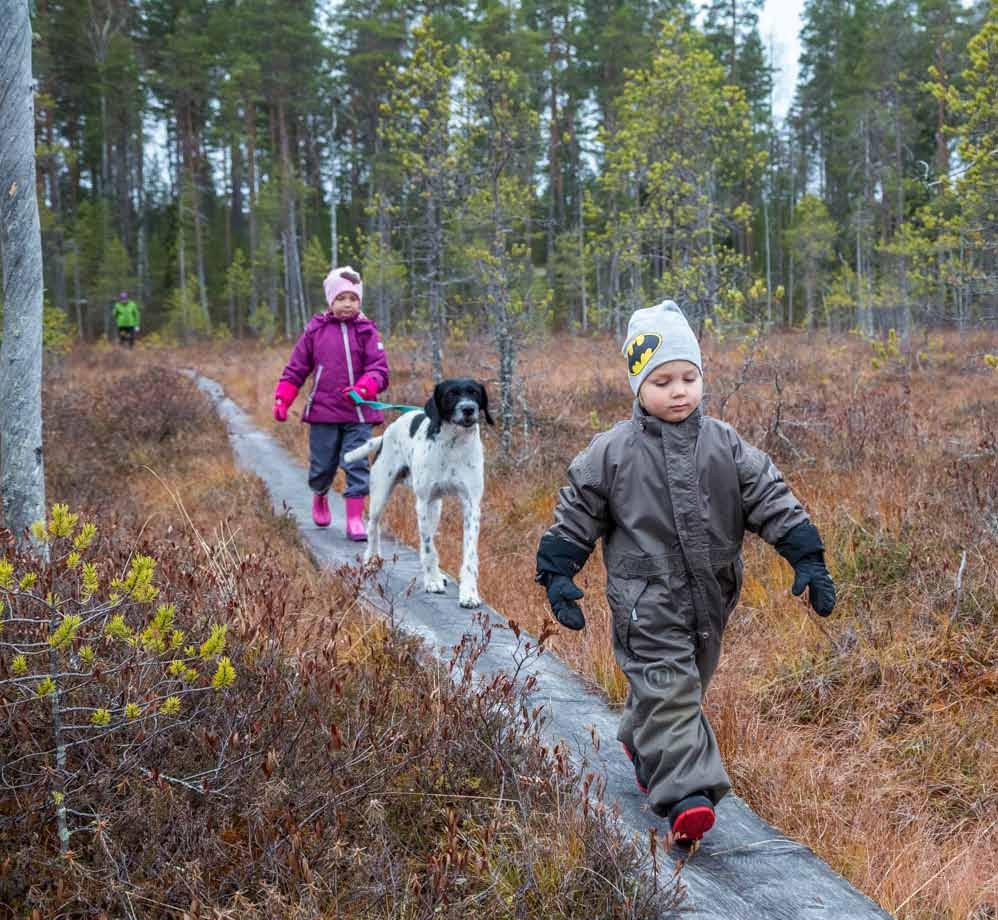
point(354, 777)
point(872, 736)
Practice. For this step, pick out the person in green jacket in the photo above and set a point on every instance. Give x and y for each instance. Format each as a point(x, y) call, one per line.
point(126, 317)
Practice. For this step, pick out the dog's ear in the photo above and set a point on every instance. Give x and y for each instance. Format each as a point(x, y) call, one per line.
point(484, 403)
point(433, 410)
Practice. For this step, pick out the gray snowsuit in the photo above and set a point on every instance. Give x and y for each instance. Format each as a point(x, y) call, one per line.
point(671, 503)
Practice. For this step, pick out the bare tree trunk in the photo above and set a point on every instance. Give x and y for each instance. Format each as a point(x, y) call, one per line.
point(192, 158)
point(790, 292)
point(334, 195)
point(230, 196)
point(182, 250)
point(77, 291)
point(288, 306)
point(384, 313)
point(22, 471)
point(553, 145)
point(295, 306)
point(905, 312)
point(122, 190)
point(58, 266)
point(497, 295)
point(251, 181)
point(435, 239)
point(584, 307)
point(140, 216)
point(864, 269)
point(942, 147)
point(769, 268)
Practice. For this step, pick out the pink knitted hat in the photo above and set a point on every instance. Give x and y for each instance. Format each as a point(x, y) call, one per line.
point(342, 280)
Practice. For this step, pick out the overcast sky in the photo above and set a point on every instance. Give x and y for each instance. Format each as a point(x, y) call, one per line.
point(779, 23)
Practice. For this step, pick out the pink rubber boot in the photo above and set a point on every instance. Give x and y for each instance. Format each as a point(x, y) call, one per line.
point(355, 518)
point(320, 510)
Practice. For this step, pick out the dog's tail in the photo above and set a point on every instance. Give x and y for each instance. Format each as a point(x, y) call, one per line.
point(371, 446)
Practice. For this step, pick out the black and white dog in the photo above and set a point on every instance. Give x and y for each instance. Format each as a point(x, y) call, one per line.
point(436, 452)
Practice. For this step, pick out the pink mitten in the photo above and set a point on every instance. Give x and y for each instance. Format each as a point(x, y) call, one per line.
point(284, 395)
point(366, 387)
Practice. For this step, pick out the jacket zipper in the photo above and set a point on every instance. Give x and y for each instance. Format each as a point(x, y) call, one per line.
point(346, 351)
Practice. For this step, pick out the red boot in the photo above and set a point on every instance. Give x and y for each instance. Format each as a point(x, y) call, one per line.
point(355, 518)
point(320, 510)
point(691, 818)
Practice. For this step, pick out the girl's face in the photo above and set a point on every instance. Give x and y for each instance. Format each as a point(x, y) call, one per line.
point(346, 305)
point(672, 391)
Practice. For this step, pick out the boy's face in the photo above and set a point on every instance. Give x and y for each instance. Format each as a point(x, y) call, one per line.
point(672, 391)
point(346, 305)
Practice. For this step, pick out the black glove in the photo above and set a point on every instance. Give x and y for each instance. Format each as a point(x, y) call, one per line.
point(803, 549)
point(562, 595)
point(557, 561)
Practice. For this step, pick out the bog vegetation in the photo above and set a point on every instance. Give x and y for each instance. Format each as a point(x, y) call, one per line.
point(199, 722)
point(870, 736)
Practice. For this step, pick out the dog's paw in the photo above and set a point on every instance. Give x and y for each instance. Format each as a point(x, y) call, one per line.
point(469, 599)
point(435, 585)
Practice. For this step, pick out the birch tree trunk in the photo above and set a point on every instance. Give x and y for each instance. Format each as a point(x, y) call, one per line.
point(434, 235)
point(22, 471)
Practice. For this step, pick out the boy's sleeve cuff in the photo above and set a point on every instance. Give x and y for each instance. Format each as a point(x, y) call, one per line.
point(560, 556)
point(800, 542)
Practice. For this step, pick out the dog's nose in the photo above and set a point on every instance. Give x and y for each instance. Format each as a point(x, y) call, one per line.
point(468, 411)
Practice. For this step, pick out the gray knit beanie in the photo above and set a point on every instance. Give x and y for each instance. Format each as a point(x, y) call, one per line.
point(656, 335)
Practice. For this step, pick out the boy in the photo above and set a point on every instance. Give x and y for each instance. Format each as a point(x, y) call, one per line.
point(671, 493)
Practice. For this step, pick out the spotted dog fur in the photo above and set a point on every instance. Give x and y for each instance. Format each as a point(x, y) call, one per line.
point(435, 452)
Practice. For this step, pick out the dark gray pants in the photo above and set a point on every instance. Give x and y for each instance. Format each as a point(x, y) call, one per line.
point(327, 443)
point(668, 671)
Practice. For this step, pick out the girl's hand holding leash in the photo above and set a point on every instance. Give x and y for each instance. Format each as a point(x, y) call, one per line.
point(365, 387)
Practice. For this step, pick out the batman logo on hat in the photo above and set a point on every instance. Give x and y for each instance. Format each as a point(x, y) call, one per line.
point(639, 351)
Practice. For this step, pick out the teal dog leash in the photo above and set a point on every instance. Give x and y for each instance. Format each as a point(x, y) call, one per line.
point(374, 404)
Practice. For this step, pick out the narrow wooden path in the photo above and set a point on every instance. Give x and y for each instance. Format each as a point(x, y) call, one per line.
point(744, 870)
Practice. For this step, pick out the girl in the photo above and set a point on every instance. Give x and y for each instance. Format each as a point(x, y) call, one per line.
point(343, 352)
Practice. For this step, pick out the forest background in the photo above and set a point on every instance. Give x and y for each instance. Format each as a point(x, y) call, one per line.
point(538, 164)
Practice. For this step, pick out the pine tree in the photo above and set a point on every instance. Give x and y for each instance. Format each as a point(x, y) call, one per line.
point(417, 125)
point(811, 237)
point(683, 139)
point(498, 133)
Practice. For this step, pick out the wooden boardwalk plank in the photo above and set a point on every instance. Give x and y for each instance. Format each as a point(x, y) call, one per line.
point(744, 870)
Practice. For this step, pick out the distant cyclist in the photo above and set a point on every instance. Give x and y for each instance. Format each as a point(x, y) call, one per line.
point(126, 317)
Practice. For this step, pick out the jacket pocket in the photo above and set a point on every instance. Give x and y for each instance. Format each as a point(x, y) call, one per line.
point(730, 578)
point(623, 595)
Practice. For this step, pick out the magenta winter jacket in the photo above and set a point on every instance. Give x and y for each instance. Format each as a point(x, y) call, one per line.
point(336, 353)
